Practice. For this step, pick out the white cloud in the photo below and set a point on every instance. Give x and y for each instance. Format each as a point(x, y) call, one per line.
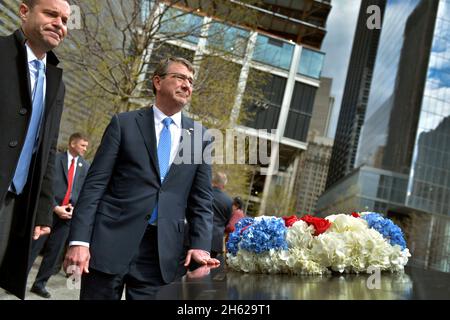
point(338, 42)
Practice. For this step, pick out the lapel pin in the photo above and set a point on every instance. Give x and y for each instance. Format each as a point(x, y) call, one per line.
point(80, 164)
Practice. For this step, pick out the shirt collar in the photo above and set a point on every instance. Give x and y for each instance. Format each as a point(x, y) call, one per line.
point(31, 56)
point(69, 156)
point(160, 116)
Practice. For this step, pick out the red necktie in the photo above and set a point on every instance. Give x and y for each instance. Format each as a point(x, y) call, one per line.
point(69, 183)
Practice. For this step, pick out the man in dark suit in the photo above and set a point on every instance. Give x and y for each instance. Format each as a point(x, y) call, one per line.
point(31, 100)
point(129, 223)
point(70, 171)
point(222, 207)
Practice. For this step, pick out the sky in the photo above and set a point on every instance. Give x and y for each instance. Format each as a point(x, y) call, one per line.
point(337, 45)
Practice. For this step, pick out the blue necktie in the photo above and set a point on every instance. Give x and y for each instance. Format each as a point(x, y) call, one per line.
point(164, 146)
point(23, 166)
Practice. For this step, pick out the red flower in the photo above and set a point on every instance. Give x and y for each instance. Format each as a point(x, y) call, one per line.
point(355, 214)
point(320, 224)
point(289, 221)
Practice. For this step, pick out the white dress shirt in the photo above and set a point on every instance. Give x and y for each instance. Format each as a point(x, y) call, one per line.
point(32, 69)
point(69, 161)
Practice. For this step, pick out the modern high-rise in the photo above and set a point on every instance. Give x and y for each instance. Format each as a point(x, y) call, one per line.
point(403, 161)
point(356, 94)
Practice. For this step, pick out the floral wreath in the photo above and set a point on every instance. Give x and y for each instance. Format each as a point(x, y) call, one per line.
point(313, 245)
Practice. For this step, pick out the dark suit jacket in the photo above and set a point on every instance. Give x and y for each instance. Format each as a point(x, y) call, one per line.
point(15, 111)
point(122, 188)
point(61, 180)
point(222, 207)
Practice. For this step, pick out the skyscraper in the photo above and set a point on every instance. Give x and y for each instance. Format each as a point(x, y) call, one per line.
point(355, 97)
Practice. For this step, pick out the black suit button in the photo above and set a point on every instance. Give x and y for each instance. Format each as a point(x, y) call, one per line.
point(147, 217)
point(13, 143)
point(23, 111)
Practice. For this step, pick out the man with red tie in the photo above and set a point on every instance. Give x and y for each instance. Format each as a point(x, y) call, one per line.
point(70, 172)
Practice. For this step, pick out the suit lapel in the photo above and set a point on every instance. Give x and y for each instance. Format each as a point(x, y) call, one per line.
point(146, 125)
point(22, 64)
point(79, 169)
point(64, 160)
point(53, 79)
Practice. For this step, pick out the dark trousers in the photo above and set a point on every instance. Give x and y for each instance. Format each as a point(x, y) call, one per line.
point(142, 281)
point(54, 247)
point(6, 217)
point(36, 247)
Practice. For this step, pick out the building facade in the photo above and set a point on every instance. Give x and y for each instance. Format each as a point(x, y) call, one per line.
point(312, 173)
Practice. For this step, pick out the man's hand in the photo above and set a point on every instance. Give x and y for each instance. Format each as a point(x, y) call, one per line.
point(78, 257)
point(200, 272)
point(40, 231)
point(64, 212)
point(201, 257)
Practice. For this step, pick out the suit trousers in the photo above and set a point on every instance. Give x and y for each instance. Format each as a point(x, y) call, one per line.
point(141, 282)
point(37, 246)
point(6, 217)
point(53, 250)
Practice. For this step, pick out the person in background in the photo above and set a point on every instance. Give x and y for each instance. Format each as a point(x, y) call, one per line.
point(237, 215)
point(71, 170)
point(222, 207)
point(31, 99)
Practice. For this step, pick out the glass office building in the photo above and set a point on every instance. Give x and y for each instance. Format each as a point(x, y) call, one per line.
point(403, 161)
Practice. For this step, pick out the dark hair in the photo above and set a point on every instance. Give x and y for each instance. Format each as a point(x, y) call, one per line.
point(237, 201)
point(32, 3)
point(163, 65)
point(77, 136)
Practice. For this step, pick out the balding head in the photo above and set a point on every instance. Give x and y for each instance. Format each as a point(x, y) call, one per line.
point(219, 180)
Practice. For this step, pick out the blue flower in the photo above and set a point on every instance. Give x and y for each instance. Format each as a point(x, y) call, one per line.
point(387, 228)
point(235, 237)
point(258, 235)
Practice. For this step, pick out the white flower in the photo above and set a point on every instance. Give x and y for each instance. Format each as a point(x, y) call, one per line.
point(343, 223)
